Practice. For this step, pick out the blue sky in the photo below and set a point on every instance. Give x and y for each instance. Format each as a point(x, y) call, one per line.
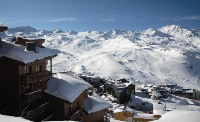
point(103, 15)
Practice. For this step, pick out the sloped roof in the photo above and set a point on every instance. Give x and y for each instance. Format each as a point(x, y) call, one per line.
point(18, 53)
point(93, 104)
point(66, 87)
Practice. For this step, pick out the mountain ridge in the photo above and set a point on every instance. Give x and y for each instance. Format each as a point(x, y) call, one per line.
point(170, 54)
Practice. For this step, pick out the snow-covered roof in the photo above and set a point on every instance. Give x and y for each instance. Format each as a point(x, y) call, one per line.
point(156, 94)
point(66, 87)
point(6, 118)
point(180, 116)
point(123, 108)
point(93, 104)
point(144, 115)
point(18, 52)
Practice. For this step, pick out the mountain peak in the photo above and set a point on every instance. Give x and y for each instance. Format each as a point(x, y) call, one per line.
point(177, 31)
point(58, 30)
point(25, 29)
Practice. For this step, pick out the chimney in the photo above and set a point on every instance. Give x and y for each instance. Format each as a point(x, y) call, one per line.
point(30, 46)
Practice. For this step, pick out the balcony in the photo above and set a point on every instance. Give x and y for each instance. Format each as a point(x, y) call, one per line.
point(77, 114)
point(31, 96)
point(33, 114)
point(30, 78)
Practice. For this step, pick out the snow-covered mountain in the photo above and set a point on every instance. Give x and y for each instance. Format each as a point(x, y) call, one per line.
point(170, 54)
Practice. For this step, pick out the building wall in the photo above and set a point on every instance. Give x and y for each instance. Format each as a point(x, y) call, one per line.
point(122, 115)
point(62, 109)
point(56, 107)
point(9, 73)
point(71, 108)
point(94, 117)
point(37, 63)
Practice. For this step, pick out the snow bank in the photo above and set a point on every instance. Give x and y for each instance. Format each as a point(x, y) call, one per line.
point(5, 118)
point(180, 116)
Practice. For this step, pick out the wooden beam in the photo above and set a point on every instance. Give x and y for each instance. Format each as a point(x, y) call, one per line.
point(51, 65)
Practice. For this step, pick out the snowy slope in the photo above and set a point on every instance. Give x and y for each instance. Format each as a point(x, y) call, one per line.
point(170, 54)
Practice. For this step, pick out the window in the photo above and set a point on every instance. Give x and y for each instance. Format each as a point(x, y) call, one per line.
point(37, 68)
point(28, 69)
point(25, 69)
point(40, 68)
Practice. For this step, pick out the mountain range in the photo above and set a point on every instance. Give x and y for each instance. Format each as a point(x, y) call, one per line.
point(170, 54)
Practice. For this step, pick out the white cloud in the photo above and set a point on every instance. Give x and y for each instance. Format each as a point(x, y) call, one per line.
point(180, 18)
point(109, 20)
point(63, 19)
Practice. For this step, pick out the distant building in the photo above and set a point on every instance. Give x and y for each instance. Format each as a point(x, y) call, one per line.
point(121, 91)
point(124, 113)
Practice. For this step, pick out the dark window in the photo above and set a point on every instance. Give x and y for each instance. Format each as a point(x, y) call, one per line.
point(29, 69)
point(40, 68)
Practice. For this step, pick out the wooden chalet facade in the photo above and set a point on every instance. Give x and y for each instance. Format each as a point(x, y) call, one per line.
point(23, 82)
point(64, 110)
point(69, 100)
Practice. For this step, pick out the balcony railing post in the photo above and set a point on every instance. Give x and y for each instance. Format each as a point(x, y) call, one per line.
point(51, 65)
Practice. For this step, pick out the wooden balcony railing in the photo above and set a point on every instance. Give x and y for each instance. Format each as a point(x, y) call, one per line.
point(31, 115)
point(77, 114)
point(31, 96)
point(30, 78)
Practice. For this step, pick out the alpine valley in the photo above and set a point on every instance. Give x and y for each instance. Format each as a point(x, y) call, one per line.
point(170, 54)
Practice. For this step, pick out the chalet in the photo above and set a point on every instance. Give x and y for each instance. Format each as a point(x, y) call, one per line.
point(183, 92)
point(124, 113)
point(95, 109)
point(121, 91)
point(68, 96)
point(95, 81)
point(24, 76)
point(136, 102)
